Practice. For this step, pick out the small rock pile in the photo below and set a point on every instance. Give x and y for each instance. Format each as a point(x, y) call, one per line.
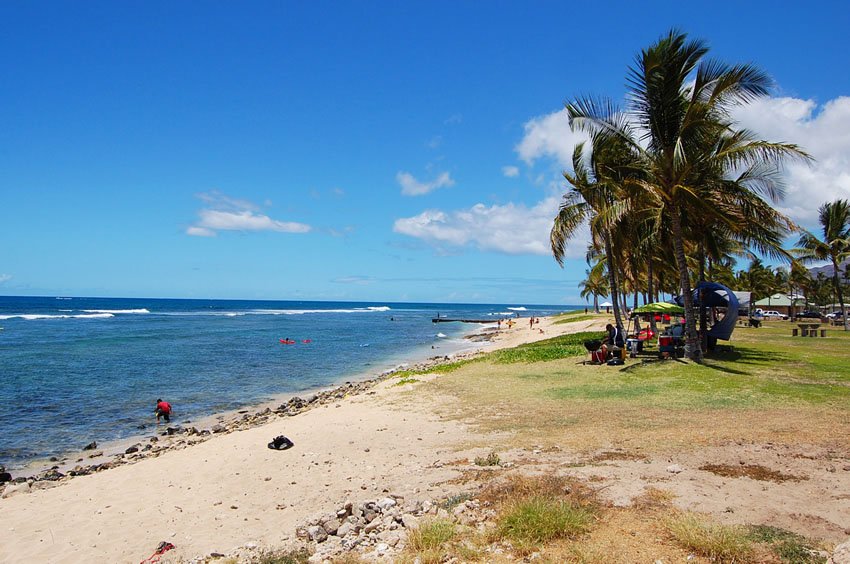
point(379, 528)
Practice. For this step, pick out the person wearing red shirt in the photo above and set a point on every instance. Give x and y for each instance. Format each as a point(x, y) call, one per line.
point(163, 409)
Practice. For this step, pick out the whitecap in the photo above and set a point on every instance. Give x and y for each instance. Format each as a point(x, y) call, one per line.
point(116, 311)
point(520, 308)
point(34, 316)
point(441, 335)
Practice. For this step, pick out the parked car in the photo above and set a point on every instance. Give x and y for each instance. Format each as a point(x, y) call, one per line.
point(809, 315)
point(771, 314)
point(834, 315)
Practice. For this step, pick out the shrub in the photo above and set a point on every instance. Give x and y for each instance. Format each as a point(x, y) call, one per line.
point(720, 543)
point(491, 459)
point(537, 519)
point(429, 540)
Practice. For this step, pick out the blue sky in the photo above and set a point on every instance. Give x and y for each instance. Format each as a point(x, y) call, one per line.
point(382, 151)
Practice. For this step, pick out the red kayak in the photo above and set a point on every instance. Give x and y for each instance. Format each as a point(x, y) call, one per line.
point(287, 341)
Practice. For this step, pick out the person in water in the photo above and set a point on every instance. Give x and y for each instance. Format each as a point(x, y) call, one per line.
point(163, 409)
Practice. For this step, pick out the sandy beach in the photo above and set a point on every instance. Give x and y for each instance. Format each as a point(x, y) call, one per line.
point(231, 489)
point(231, 495)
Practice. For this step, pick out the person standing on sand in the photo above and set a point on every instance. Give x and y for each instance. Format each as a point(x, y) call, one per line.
point(163, 409)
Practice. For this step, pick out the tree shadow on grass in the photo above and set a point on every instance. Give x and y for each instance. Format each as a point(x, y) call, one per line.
point(722, 359)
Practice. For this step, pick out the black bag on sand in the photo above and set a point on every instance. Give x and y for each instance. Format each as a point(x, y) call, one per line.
point(280, 443)
point(615, 362)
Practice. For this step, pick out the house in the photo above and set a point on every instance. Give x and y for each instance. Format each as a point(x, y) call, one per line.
point(780, 303)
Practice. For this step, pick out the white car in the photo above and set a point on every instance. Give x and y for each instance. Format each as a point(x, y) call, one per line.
point(771, 314)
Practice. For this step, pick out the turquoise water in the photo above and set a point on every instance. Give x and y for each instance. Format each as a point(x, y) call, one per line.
point(74, 370)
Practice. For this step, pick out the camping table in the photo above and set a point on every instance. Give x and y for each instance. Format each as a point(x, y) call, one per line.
point(808, 329)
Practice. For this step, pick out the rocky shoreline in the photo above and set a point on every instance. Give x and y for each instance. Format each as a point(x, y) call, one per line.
point(180, 437)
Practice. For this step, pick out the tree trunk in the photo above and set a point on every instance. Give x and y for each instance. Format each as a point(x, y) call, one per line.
point(649, 289)
point(612, 280)
point(692, 349)
point(703, 321)
point(837, 282)
point(595, 303)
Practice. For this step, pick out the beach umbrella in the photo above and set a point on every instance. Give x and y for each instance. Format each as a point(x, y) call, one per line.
point(659, 307)
point(607, 306)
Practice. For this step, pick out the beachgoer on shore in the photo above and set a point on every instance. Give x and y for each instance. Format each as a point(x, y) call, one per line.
point(163, 409)
point(614, 339)
point(531, 323)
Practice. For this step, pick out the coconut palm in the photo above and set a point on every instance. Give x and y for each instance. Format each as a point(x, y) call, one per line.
point(595, 284)
point(593, 198)
point(834, 219)
point(681, 103)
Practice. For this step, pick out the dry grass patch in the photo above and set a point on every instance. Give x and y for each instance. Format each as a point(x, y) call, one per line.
point(753, 471)
point(607, 455)
point(653, 499)
point(725, 544)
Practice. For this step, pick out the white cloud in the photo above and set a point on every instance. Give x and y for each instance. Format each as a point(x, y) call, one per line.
point(412, 187)
point(5, 278)
point(549, 136)
point(511, 228)
point(510, 171)
point(200, 231)
point(822, 131)
point(226, 214)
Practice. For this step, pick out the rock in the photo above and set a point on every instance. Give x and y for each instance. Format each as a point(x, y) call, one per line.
point(96, 453)
point(386, 503)
point(331, 526)
point(218, 428)
point(15, 489)
point(675, 469)
point(51, 475)
point(410, 521)
point(91, 446)
point(131, 450)
point(344, 529)
point(4, 476)
point(841, 554)
point(317, 534)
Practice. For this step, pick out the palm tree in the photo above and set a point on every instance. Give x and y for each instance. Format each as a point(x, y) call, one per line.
point(682, 103)
point(593, 197)
point(834, 218)
point(594, 285)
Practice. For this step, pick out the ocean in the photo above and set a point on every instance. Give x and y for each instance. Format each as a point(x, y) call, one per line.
point(75, 370)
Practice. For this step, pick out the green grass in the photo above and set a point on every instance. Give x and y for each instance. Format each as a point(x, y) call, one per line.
point(790, 547)
point(546, 349)
point(766, 386)
point(720, 543)
point(539, 519)
point(491, 459)
point(406, 380)
point(575, 318)
point(429, 542)
point(282, 557)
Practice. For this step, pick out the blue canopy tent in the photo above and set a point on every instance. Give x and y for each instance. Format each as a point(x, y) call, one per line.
point(717, 295)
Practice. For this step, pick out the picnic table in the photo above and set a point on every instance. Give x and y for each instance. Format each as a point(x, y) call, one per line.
point(808, 330)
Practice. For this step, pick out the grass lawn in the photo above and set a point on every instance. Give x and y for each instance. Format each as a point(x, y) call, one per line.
point(768, 387)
